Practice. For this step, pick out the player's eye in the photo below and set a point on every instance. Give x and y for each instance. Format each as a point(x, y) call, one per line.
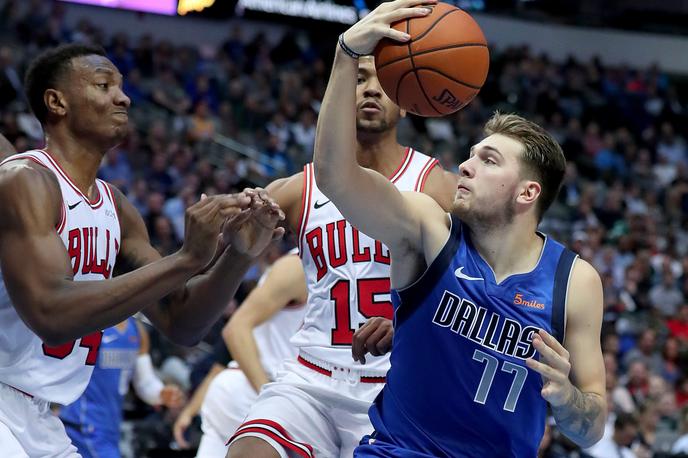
point(489, 161)
point(102, 85)
point(360, 80)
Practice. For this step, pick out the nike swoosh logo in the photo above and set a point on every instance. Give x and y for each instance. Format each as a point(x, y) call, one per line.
point(73, 206)
point(459, 274)
point(110, 338)
point(317, 204)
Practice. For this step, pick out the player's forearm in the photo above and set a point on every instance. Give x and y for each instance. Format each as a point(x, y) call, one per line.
point(243, 348)
point(74, 309)
point(205, 298)
point(334, 157)
point(582, 418)
point(196, 401)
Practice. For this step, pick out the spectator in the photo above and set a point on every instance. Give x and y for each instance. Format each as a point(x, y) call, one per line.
point(618, 444)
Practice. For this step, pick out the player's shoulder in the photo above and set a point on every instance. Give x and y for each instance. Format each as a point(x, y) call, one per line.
point(441, 186)
point(585, 294)
point(287, 263)
point(23, 178)
point(584, 273)
point(287, 191)
point(295, 180)
point(423, 204)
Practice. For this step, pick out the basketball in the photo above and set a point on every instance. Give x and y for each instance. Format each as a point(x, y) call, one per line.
point(440, 69)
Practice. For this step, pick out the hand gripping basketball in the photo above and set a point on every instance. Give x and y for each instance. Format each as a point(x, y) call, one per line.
point(363, 36)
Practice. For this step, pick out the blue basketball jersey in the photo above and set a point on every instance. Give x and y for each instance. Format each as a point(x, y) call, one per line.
point(459, 386)
point(99, 409)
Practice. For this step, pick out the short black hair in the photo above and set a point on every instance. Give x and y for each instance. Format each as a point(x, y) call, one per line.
point(624, 419)
point(47, 69)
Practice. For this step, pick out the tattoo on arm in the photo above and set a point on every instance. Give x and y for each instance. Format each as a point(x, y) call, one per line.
point(576, 418)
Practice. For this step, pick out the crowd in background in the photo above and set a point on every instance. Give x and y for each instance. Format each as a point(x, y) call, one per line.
point(623, 206)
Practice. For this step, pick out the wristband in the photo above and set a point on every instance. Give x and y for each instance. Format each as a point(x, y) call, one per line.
point(350, 52)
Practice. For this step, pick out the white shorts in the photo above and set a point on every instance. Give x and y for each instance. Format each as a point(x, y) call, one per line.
point(308, 413)
point(228, 400)
point(29, 429)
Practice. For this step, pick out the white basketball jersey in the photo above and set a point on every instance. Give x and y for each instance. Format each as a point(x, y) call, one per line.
point(273, 336)
point(90, 232)
point(347, 272)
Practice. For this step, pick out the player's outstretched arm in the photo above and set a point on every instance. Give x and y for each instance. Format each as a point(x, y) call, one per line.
point(574, 375)
point(190, 311)
point(38, 273)
point(284, 284)
point(367, 199)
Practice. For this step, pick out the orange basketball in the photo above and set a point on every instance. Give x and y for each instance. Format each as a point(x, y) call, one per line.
point(440, 69)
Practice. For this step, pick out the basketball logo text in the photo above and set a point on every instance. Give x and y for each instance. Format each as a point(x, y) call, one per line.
point(486, 328)
point(330, 247)
point(83, 247)
point(448, 99)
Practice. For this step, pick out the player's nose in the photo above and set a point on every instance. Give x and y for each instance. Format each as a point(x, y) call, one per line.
point(122, 99)
point(372, 88)
point(465, 169)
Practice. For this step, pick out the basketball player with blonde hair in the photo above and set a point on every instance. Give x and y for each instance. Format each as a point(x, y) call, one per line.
point(493, 319)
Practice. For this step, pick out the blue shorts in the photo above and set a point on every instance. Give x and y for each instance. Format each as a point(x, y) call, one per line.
point(376, 448)
point(93, 444)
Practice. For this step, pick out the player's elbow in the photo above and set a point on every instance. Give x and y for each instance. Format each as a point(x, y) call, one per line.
point(48, 325)
point(232, 329)
point(53, 335)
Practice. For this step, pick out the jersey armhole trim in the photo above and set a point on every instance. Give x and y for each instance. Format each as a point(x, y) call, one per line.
point(425, 173)
point(562, 280)
point(411, 296)
point(306, 193)
point(111, 196)
point(403, 166)
point(63, 218)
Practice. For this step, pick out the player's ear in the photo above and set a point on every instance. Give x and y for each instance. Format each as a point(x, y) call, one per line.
point(530, 191)
point(55, 102)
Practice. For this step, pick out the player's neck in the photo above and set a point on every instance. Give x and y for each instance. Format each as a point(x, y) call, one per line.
point(510, 250)
point(78, 158)
point(381, 152)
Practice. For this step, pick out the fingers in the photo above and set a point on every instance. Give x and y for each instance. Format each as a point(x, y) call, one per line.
point(374, 342)
point(404, 13)
point(547, 372)
point(278, 233)
point(358, 343)
point(375, 336)
point(551, 357)
point(553, 343)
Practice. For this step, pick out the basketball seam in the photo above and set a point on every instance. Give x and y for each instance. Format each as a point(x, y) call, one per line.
point(413, 69)
point(427, 51)
point(432, 26)
point(449, 77)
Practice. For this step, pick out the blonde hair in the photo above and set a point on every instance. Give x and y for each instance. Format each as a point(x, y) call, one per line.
point(542, 159)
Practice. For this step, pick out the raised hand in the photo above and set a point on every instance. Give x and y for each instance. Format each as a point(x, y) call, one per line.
point(252, 230)
point(204, 220)
point(554, 366)
point(363, 36)
point(374, 337)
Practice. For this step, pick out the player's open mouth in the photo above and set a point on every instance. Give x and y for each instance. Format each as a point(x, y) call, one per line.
point(463, 188)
